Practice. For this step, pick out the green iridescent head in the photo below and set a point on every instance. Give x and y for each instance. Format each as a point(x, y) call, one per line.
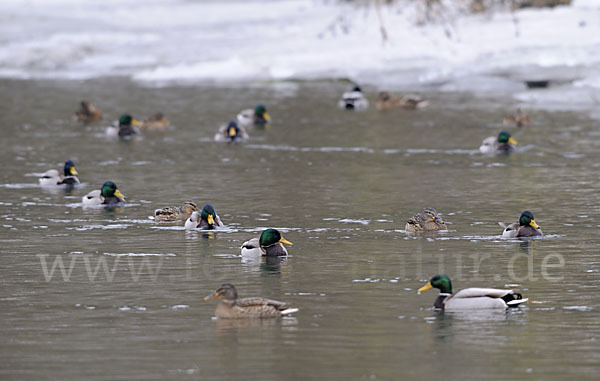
point(439, 281)
point(260, 110)
point(125, 120)
point(109, 189)
point(270, 237)
point(208, 214)
point(505, 137)
point(527, 219)
point(69, 169)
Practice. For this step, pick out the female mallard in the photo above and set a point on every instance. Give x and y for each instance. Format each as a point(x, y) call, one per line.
point(156, 122)
point(385, 101)
point(52, 177)
point(175, 213)
point(519, 118)
point(87, 112)
point(207, 219)
point(125, 127)
point(230, 307)
point(526, 227)
point(471, 298)
point(426, 221)
point(108, 195)
point(258, 117)
point(354, 100)
point(231, 132)
point(269, 244)
point(504, 143)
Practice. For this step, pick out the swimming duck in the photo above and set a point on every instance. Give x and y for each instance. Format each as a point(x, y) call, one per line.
point(87, 112)
point(230, 307)
point(126, 126)
point(526, 227)
point(231, 132)
point(385, 101)
point(518, 118)
point(258, 117)
point(52, 177)
point(269, 244)
point(426, 221)
point(354, 100)
point(471, 298)
point(156, 122)
point(175, 213)
point(108, 195)
point(207, 219)
point(504, 143)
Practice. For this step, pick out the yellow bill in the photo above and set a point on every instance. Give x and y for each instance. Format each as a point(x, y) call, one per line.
point(428, 286)
point(136, 122)
point(211, 220)
point(512, 141)
point(267, 116)
point(232, 131)
point(533, 224)
point(73, 171)
point(119, 194)
point(283, 240)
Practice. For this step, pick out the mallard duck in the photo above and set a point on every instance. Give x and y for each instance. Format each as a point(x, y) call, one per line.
point(471, 298)
point(87, 112)
point(207, 219)
point(269, 244)
point(257, 117)
point(230, 307)
point(385, 101)
point(354, 100)
point(125, 127)
point(504, 143)
point(231, 132)
point(156, 122)
point(526, 227)
point(426, 221)
point(518, 118)
point(108, 195)
point(52, 176)
point(175, 213)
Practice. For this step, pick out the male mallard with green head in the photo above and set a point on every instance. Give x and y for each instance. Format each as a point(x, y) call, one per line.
point(386, 101)
point(470, 298)
point(206, 219)
point(231, 132)
point(108, 195)
point(269, 244)
point(259, 117)
point(429, 220)
point(175, 213)
point(87, 112)
point(124, 128)
point(230, 307)
point(156, 122)
point(69, 176)
point(526, 227)
point(503, 144)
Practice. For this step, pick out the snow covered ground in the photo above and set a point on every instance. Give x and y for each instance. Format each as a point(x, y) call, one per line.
point(157, 42)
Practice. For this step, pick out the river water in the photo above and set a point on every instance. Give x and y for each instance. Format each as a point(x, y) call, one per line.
point(340, 186)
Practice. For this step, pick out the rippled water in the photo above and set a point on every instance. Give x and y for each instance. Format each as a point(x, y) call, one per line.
point(340, 186)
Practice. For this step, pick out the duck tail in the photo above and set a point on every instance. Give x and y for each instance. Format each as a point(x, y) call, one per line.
point(288, 311)
point(502, 224)
point(513, 300)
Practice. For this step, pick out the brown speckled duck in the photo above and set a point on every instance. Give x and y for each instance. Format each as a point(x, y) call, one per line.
point(175, 213)
point(386, 101)
point(230, 307)
point(426, 221)
point(87, 112)
point(519, 118)
point(156, 122)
